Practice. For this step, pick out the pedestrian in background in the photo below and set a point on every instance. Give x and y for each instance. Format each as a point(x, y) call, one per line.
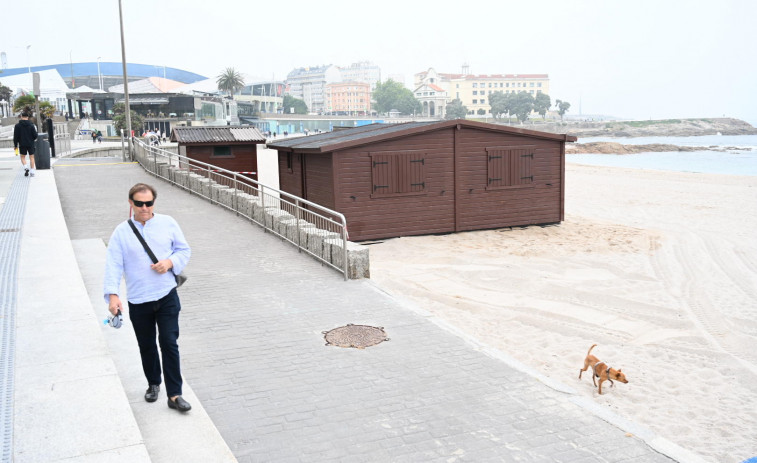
point(24, 136)
point(151, 289)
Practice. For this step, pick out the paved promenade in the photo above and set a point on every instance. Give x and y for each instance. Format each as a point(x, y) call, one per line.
point(257, 367)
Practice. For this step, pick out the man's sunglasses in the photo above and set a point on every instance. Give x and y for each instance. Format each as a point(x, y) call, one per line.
point(143, 203)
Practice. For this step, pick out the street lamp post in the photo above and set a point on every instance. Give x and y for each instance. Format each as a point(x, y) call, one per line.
point(99, 76)
point(126, 82)
point(28, 65)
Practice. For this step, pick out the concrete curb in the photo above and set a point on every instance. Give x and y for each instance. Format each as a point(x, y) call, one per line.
point(69, 401)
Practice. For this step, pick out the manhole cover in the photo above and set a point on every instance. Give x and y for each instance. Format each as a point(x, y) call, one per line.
point(358, 336)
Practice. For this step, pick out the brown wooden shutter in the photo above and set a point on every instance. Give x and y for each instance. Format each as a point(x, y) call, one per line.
point(524, 158)
point(509, 167)
point(412, 177)
point(384, 174)
point(496, 171)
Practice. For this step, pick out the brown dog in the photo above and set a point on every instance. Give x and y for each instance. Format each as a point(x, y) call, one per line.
point(601, 370)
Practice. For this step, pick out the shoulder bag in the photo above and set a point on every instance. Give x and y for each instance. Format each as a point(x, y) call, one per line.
point(180, 278)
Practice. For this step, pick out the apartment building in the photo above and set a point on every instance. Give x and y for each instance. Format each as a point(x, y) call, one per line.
point(309, 84)
point(363, 71)
point(348, 98)
point(474, 90)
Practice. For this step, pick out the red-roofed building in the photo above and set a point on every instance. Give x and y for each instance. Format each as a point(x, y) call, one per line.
point(433, 99)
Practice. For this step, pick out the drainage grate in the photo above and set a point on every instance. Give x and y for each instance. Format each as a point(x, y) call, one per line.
point(9, 230)
point(358, 336)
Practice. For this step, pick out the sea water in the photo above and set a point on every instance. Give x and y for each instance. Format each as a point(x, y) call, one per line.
point(739, 159)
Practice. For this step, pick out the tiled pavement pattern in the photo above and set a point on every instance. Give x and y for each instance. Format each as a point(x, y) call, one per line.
point(253, 351)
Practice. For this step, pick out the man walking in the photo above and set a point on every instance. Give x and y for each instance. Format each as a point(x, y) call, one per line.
point(151, 289)
point(24, 136)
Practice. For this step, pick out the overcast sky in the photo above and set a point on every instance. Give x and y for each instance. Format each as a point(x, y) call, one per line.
point(633, 59)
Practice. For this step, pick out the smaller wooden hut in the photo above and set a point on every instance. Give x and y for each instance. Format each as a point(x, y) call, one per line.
point(429, 177)
point(232, 148)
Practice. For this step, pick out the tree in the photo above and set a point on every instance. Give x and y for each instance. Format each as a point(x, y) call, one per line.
point(393, 95)
point(542, 102)
point(498, 101)
point(456, 110)
point(522, 105)
point(27, 102)
point(230, 80)
point(5, 93)
point(119, 119)
point(481, 111)
point(407, 103)
point(562, 108)
point(22, 101)
point(300, 107)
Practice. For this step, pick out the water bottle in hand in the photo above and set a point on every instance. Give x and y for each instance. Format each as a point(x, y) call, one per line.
point(115, 320)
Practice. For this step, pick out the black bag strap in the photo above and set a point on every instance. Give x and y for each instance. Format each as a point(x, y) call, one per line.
point(144, 244)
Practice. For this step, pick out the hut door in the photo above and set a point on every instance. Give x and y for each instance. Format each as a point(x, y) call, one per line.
point(303, 177)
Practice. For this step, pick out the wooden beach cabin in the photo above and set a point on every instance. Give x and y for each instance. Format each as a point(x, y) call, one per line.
point(233, 148)
point(420, 178)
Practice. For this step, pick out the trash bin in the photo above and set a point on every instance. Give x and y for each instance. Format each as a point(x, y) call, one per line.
point(42, 152)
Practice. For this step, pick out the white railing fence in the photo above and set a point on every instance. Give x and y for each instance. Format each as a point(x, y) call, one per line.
point(61, 139)
point(314, 229)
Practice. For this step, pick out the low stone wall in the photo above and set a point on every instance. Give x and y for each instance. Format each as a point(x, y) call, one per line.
point(323, 244)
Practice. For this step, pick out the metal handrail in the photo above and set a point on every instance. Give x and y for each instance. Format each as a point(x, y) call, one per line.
point(307, 215)
point(62, 139)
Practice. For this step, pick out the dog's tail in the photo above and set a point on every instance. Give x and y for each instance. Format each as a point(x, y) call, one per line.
point(590, 348)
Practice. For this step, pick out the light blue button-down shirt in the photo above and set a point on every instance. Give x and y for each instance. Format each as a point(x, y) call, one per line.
point(127, 257)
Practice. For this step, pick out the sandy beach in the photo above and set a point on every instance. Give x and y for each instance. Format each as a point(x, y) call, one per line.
point(657, 268)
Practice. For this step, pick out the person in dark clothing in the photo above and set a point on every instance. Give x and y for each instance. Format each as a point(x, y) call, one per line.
point(24, 136)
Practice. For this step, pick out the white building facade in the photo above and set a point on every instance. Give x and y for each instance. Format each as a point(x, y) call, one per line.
point(363, 71)
point(309, 84)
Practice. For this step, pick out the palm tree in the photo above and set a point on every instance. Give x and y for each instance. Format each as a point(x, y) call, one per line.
point(230, 80)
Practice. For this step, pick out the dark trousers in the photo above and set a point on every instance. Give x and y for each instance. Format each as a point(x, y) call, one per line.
point(163, 314)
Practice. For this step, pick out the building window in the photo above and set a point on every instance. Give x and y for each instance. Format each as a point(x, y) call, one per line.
point(289, 162)
point(509, 167)
point(457, 95)
point(483, 101)
point(475, 85)
point(532, 84)
point(457, 85)
point(221, 152)
point(539, 84)
point(475, 101)
point(398, 174)
point(475, 92)
point(507, 84)
point(531, 92)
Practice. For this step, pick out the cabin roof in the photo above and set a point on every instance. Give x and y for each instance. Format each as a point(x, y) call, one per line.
point(216, 135)
point(348, 138)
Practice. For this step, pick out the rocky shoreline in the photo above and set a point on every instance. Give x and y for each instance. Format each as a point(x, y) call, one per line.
point(661, 128)
point(617, 148)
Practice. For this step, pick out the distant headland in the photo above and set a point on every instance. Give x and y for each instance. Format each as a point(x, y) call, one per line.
point(651, 128)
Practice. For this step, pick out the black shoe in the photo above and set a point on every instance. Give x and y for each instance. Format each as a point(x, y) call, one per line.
point(152, 392)
point(26, 172)
point(179, 404)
